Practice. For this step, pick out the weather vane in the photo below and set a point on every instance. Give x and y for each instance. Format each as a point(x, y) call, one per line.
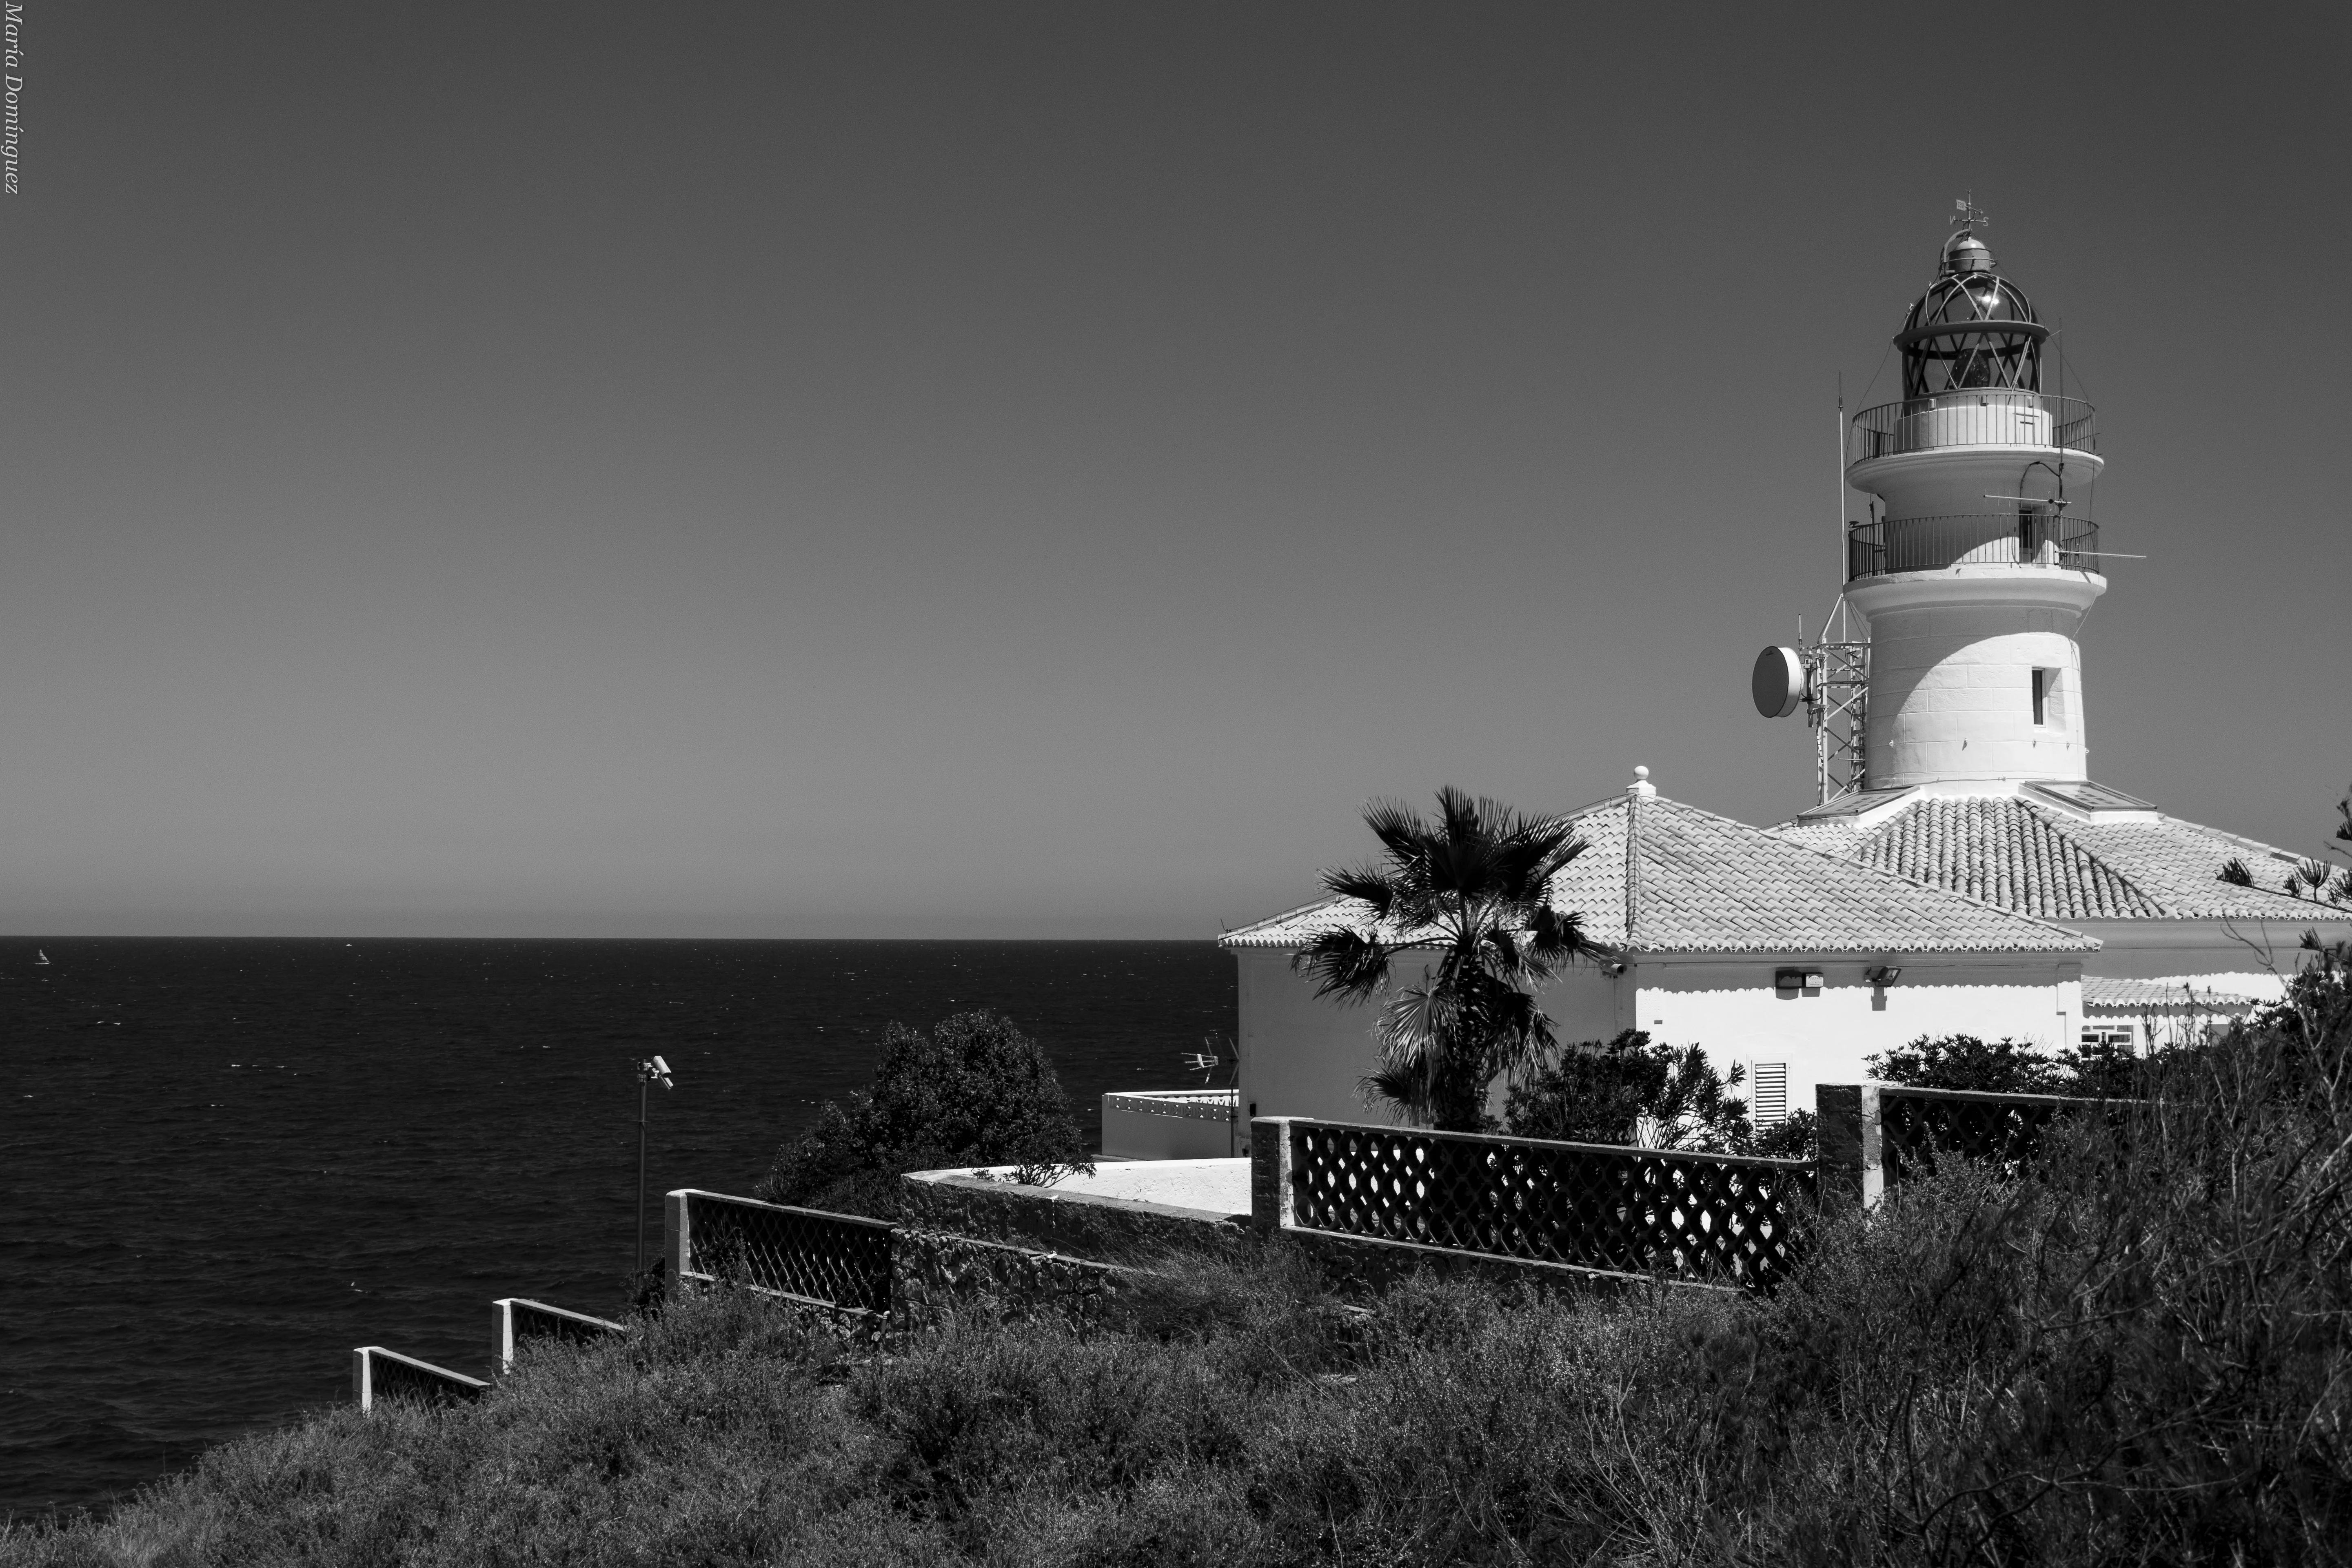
point(1971, 216)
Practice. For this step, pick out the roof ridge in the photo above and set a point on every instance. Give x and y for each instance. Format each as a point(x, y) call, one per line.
point(2238, 839)
point(1635, 886)
point(2056, 823)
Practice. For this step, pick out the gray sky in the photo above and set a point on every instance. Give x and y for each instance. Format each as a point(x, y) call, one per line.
point(997, 469)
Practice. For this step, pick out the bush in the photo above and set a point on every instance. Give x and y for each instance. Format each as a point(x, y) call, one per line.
point(1796, 1136)
point(1964, 1061)
point(974, 1091)
point(1626, 1090)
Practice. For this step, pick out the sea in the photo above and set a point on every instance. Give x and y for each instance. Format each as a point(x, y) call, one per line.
point(228, 1163)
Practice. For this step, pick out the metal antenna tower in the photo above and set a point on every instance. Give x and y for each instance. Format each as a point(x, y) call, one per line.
point(1837, 668)
point(1837, 702)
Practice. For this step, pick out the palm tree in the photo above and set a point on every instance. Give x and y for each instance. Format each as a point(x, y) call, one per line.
point(1474, 883)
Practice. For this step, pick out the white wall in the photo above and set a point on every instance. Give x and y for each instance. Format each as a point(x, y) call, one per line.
point(1301, 1057)
point(2249, 957)
point(1730, 1007)
point(1951, 676)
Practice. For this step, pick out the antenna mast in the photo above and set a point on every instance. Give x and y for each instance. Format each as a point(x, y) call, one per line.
point(1837, 669)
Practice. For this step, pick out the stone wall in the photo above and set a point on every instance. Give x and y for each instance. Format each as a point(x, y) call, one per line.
point(934, 1273)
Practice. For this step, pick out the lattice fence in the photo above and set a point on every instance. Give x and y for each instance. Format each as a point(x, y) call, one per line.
point(1915, 1125)
point(1700, 1216)
point(839, 1258)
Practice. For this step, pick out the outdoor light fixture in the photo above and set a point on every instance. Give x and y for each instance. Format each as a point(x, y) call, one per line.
point(1882, 973)
point(650, 1070)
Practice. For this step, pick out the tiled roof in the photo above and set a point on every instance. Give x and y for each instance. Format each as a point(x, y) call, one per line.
point(2036, 861)
point(2103, 994)
point(1657, 876)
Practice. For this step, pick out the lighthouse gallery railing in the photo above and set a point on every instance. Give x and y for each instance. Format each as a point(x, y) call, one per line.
point(1973, 416)
point(1971, 539)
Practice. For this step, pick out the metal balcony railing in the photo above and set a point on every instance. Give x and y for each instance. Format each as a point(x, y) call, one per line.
point(1971, 539)
point(1973, 416)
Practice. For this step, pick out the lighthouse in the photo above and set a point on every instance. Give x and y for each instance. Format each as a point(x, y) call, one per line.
point(1979, 558)
point(1969, 578)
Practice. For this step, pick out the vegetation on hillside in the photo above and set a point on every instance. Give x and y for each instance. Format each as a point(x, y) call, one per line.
point(1474, 883)
point(975, 1091)
point(2132, 1347)
point(2137, 1348)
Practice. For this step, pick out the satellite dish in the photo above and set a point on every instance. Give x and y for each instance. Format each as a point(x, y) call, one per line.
point(1779, 683)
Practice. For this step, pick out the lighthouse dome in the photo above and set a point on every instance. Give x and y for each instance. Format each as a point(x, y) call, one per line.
point(1972, 327)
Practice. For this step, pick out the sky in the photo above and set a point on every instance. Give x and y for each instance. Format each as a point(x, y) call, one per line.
point(1037, 471)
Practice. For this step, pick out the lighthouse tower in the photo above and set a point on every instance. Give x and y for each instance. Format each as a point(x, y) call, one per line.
point(1979, 559)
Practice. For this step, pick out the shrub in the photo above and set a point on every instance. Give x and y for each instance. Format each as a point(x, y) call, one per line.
point(973, 1091)
point(1964, 1061)
point(1796, 1136)
point(1626, 1090)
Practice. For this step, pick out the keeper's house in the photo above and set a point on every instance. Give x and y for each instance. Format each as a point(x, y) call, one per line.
point(1791, 961)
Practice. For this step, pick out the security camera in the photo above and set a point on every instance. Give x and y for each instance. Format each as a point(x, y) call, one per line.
point(661, 1067)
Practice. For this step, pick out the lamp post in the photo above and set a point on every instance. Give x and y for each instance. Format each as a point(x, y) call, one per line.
point(650, 1071)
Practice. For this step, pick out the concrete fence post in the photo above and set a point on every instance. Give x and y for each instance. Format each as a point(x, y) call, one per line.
point(1852, 1152)
point(1837, 1107)
point(502, 1335)
point(1269, 1156)
point(1874, 1150)
point(677, 1240)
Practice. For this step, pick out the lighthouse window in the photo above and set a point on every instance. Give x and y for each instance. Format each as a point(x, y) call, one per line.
point(2042, 681)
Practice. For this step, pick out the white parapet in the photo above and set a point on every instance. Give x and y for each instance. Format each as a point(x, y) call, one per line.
point(1171, 1124)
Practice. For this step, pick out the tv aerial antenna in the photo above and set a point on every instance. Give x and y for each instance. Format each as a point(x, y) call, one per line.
point(1829, 677)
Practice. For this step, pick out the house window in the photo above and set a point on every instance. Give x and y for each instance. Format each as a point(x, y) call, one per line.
point(1768, 1105)
point(2044, 680)
point(2101, 1035)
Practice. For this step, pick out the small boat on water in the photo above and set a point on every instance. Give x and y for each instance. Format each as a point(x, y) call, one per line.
point(39, 957)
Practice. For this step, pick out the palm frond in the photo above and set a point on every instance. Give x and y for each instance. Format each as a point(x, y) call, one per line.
point(1398, 828)
point(1556, 938)
point(1407, 1098)
point(1368, 883)
point(1343, 962)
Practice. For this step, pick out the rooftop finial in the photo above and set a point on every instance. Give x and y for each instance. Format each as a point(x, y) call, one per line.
point(1641, 784)
point(1963, 251)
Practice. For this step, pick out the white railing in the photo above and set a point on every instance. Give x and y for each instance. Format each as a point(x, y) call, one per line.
point(1171, 1124)
point(1194, 1104)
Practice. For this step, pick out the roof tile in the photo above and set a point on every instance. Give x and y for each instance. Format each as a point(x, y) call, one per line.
point(1657, 876)
point(2035, 861)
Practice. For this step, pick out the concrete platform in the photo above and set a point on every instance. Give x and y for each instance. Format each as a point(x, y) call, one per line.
point(1213, 1186)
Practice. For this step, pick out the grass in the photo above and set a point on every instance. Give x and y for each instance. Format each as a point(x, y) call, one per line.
point(2137, 1350)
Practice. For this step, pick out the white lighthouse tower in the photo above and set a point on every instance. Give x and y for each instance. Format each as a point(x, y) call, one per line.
point(1976, 565)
